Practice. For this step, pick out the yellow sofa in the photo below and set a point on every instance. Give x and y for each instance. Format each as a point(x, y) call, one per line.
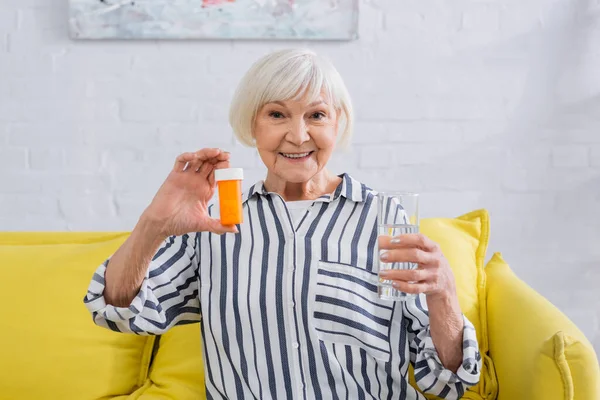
point(52, 350)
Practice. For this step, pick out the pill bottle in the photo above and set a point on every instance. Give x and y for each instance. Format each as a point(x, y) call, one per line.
point(229, 182)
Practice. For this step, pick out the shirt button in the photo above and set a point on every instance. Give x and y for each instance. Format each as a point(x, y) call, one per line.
point(295, 345)
point(292, 304)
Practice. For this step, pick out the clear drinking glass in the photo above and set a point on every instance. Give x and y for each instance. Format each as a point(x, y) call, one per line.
point(397, 214)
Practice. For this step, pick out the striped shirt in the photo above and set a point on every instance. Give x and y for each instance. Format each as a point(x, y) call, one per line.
point(290, 310)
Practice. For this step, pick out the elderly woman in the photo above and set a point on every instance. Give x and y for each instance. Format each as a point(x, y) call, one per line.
point(287, 300)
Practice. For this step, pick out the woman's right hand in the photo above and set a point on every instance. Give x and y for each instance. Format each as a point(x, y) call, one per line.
point(181, 204)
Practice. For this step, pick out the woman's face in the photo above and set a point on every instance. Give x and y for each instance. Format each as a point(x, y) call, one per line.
point(295, 138)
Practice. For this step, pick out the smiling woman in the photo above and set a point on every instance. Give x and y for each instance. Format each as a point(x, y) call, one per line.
point(287, 300)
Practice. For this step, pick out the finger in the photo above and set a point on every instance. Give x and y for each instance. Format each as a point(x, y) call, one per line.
point(194, 165)
point(202, 165)
point(408, 240)
point(211, 178)
point(407, 275)
point(191, 161)
point(204, 168)
point(182, 160)
point(411, 254)
point(222, 164)
point(414, 288)
point(206, 154)
point(220, 158)
point(224, 155)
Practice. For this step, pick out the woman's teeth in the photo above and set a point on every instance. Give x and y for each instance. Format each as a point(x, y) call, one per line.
point(295, 155)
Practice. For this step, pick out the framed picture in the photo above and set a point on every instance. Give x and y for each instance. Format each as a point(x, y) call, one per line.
point(214, 19)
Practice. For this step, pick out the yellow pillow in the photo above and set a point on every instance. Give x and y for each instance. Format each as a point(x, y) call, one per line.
point(582, 363)
point(464, 242)
point(51, 348)
point(544, 352)
point(177, 370)
point(553, 374)
point(560, 373)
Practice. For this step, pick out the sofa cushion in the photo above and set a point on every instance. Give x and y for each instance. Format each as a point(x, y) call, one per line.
point(561, 372)
point(177, 370)
point(51, 347)
point(528, 354)
point(552, 363)
point(464, 242)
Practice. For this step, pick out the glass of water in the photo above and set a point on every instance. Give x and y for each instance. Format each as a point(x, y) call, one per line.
point(397, 214)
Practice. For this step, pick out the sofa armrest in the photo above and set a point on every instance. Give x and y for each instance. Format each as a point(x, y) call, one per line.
point(529, 339)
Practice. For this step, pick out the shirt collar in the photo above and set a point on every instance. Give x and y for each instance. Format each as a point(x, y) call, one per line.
point(349, 188)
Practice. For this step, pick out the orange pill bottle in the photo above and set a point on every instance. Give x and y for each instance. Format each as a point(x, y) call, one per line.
point(229, 182)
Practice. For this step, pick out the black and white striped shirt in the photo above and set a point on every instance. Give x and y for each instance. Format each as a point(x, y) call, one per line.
point(290, 311)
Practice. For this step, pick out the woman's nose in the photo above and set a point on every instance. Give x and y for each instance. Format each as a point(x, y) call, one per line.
point(298, 133)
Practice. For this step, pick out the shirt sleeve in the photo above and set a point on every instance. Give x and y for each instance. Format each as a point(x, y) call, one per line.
point(168, 295)
point(430, 374)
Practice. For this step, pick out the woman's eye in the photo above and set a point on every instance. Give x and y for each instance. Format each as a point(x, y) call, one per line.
point(276, 114)
point(318, 115)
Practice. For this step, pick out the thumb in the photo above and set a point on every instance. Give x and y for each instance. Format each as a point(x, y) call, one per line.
point(215, 226)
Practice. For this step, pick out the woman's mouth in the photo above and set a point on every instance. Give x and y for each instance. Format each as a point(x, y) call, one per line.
point(296, 156)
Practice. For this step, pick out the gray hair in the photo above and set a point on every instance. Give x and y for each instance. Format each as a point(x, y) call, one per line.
point(288, 75)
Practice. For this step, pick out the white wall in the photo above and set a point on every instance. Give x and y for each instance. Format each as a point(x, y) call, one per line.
point(472, 103)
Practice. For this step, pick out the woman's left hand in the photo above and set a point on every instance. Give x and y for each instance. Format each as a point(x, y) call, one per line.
point(433, 275)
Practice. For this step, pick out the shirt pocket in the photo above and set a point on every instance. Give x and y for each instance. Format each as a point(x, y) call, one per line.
point(347, 310)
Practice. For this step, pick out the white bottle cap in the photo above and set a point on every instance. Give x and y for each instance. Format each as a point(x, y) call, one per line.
point(229, 174)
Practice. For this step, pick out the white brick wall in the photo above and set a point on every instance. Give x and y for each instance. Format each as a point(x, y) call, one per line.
point(474, 104)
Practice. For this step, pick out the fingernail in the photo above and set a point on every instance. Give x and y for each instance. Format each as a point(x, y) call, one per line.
point(383, 256)
point(396, 285)
point(395, 240)
point(384, 274)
